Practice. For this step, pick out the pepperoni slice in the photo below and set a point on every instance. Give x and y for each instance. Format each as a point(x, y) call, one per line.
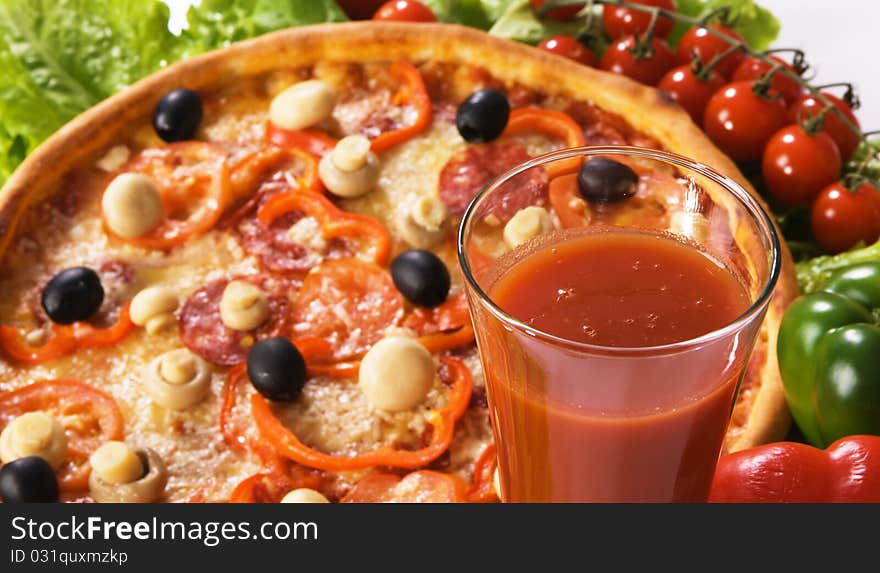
point(203, 332)
point(349, 303)
point(471, 169)
point(423, 486)
point(293, 243)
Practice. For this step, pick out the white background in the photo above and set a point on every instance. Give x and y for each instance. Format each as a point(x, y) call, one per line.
point(839, 37)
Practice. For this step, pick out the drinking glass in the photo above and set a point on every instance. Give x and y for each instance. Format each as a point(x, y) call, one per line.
point(577, 422)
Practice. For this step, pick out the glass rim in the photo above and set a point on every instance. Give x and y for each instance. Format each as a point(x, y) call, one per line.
point(752, 206)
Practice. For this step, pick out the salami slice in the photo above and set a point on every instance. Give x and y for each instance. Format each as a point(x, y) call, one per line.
point(293, 243)
point(471, 169)
point(203, 332)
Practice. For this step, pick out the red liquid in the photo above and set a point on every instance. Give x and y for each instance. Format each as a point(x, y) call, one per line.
point(579, 425)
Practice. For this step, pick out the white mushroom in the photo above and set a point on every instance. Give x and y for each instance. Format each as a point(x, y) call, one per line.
point(177, 379)
point(153, 308)
point(396, 374)
point(351, 169)
point(425, 226)
point(116, 463)
point(302, 105)
point(34, 434)
point(304, 495)
point(527, 224)
point(243, 306)
point(132, 205)
point(123, 475)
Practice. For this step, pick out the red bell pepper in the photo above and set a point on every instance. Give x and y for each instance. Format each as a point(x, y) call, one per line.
point(847, 471)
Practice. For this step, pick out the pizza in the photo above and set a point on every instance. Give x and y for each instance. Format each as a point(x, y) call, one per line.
point(289, 204)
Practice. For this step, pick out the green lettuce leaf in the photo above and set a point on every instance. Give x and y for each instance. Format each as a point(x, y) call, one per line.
point(754, 23)
point(519, 22)
point(218, 23)
point(60, 57)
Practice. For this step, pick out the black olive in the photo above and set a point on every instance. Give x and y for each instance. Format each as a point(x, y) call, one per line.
point(604, 180)
point(28, 480)
point(482, 116)
point(421, 277)
point(72, 295)
point(277, 369)
point(177, 115)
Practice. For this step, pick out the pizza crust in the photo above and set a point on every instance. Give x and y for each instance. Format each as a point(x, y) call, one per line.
point(645, 108)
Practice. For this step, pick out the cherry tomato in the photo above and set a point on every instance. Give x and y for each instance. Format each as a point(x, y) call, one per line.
point(740, 122)
point(562, 13)
point(620, 21)
point(798, 164)
point(808, 106)
point(752, 68)
point(690, 91)
point(701, 42)
point(620, 59)
point(360, 9)
point(404, 11)
point(569, 47)
point(841, 218)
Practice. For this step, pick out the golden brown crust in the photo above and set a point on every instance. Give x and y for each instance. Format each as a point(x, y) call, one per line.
point(643, 107)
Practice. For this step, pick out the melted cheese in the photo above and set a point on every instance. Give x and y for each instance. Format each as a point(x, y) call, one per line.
point(331, 415)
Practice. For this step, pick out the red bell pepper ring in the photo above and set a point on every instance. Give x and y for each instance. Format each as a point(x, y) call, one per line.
point(848, 471)
point(64, 340)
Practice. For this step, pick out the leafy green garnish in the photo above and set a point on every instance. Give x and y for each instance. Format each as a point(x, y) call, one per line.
point(755, 24)
point(61, 57)
point(218, 23)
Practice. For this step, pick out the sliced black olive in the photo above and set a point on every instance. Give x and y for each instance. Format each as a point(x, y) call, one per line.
point(421, 277)
point(177, 115)
point(28, 480)
point(602, 180)
point(277, 369)
point(482, 116)
point(72, 295)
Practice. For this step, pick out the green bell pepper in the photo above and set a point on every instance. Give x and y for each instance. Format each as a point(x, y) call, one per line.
point(829, 356)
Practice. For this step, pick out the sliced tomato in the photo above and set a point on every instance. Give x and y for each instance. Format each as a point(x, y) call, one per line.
point(349, 303)
point(90, 417)
point(424, 486)
point(193, 179)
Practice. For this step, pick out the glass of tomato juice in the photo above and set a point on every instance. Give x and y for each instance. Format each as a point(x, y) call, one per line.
point(616, 294)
